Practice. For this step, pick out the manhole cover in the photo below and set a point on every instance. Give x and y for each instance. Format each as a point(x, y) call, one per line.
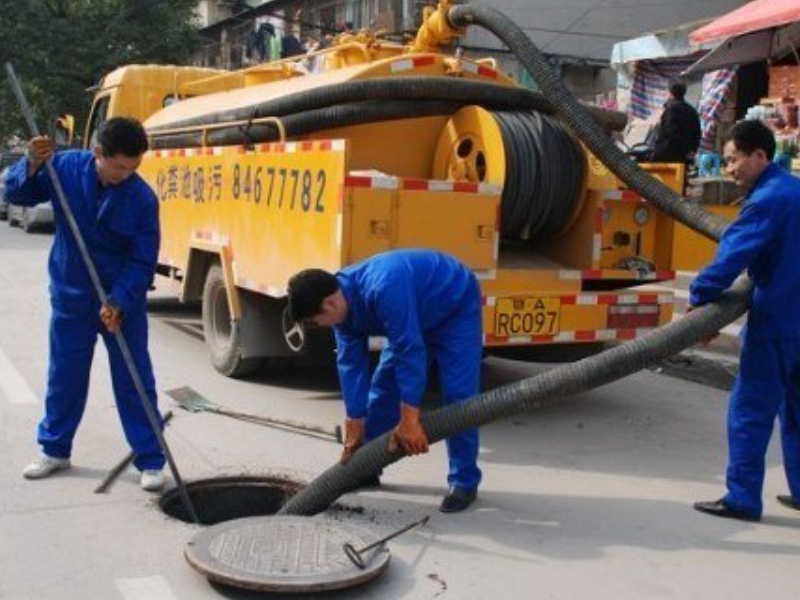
point(284, 554)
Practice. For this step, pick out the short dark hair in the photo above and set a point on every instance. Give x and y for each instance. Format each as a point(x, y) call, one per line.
point(677, 88)
point(307, 290)
point(122, 135)
point(751, 135)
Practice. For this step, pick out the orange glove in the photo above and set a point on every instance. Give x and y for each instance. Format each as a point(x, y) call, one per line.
point(111, 317)
point(409, 436)
point(354, 432)
point(40, 150)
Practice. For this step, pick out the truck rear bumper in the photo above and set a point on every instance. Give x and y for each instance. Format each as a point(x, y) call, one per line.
point(521, 319)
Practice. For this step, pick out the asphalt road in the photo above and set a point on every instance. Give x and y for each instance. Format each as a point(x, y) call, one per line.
point(586, 497)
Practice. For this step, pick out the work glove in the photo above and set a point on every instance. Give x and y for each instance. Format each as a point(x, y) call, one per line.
point(111, 316)
point(40, 149)
point(354, 432)
point(409, 436)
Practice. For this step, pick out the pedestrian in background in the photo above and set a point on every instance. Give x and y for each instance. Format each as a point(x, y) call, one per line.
point(679, 129)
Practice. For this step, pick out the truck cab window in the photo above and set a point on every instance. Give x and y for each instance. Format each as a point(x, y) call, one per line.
point(98, 117)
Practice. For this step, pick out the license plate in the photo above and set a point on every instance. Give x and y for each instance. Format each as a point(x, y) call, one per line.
point(526, 316)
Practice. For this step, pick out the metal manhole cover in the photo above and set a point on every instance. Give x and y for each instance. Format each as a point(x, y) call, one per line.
point(283, 554)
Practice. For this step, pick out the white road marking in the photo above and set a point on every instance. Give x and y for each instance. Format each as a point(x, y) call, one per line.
point(145, 588)
point(13, 384)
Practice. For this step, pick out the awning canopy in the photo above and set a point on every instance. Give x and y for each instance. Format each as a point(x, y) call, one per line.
point(754, 16)
point(748, 48)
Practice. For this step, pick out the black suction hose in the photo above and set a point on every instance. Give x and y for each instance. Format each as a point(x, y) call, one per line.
point(311, 121)
point(586, 374)
point(523, 395)
point(453, 89)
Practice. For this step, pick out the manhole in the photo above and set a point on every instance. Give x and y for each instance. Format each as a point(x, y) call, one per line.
point(284, 554)
point(227, 498)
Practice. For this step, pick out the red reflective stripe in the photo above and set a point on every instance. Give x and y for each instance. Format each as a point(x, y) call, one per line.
point(325, 145)
point(626, 334)
point(607, 299)
point(496, 339)
point(584, 336)
point(306, 146)
point(541, 339)
point(648, 298)
point(415, 184)
point(592, 274)
point(351, 181)
point(423, 61)
point(569, 299)
point(462, 186)
point(487, 72)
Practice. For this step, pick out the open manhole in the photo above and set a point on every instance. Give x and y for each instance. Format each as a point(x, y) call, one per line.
point(226, 498)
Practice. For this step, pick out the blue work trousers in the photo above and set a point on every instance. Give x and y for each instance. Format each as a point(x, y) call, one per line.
point(456, 348)
point(72, 340)
point(768, 385)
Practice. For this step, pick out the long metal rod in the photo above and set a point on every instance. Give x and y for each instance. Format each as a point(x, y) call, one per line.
point(115, 472)
point(87, 259)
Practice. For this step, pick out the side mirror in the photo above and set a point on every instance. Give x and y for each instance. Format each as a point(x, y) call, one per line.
point(64, 130)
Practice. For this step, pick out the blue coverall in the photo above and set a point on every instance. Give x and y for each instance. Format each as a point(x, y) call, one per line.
point(428, 306)
point(765, 239)
point(120, 227)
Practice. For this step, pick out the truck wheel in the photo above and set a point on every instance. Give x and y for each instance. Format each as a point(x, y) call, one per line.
point(223, 340)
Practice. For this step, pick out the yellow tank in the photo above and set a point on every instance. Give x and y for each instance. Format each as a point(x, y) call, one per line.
point(238, 219)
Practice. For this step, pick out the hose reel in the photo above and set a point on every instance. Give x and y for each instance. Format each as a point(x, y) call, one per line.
point(538, 163)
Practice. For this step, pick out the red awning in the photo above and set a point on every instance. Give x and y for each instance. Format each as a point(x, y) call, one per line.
point(754, 16)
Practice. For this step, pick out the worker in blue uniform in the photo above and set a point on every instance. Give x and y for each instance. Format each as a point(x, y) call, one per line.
point(765, 240)
point(428, 307)
point(117, 214)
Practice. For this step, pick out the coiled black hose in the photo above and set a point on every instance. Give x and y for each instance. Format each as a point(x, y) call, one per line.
point(566, 379)
point(545, 169)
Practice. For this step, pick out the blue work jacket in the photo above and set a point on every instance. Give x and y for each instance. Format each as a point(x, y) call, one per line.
point(765, 240)
point(119, 225)
point(402, 295)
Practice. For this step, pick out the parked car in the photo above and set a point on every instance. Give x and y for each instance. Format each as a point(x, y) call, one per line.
point(3, 203)
point(32, 218)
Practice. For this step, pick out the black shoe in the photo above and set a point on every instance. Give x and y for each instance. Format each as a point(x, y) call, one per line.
point(457, 499)
point(789, 501)
point(719, 509)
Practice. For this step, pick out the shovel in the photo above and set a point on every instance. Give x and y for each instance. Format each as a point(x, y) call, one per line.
point(189, 399)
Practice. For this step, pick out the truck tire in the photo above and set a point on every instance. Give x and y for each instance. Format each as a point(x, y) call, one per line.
point(222, 338)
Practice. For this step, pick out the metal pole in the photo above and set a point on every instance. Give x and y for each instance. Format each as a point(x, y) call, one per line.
point(115, 472)
point(101, 293)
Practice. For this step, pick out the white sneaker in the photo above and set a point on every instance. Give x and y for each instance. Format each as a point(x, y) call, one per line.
point(152, 480)
point(45, 466)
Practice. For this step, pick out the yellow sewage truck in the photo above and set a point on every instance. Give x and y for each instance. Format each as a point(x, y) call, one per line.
point(271, 169)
